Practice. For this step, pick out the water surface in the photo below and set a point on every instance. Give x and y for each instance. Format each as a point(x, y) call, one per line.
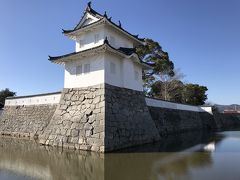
point(197, 155)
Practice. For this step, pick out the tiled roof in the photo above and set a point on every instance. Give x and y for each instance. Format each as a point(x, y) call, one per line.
point(98, 15)
point(124, 51)
point(121, 50)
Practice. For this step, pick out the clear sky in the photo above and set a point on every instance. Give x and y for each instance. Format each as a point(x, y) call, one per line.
point(202, 38)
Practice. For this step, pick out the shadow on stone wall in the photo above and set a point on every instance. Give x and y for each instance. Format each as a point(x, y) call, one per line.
point(227, 121)
point(127, 119)
point(171, 121)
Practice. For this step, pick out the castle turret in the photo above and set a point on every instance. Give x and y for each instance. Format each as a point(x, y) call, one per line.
point(105, 53)
point(102, 106)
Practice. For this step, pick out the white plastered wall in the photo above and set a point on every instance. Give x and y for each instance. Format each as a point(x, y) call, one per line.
point(125, 73)
point(120, 40)
point(116, 78)
point(34, 100)
point(95, 77)
point(177, 106)
point(128, 75)
point(89, 39)
point(100, 72)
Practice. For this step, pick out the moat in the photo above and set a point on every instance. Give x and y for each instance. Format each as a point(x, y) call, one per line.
point(197, 155)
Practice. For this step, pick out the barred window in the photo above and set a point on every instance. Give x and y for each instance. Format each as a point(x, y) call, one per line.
point(79, 70)
point(82, 43)
point(86, 68)
point(112, 41)
point(112, 67)
point(96, 38)
point(136, 74)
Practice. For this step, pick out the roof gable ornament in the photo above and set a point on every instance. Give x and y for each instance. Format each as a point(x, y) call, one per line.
point(105, 14)
point(89, 6)
point(106, 40)
point(97, 18)
point(120, 24)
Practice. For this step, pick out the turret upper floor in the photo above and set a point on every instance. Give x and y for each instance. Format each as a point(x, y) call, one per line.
point(105, 53)
point(97, 36)
point(94, 28)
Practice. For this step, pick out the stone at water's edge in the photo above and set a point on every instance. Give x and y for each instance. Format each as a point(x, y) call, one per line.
point(78, 121)
point(172, 121)
point(100, 118)
point(227, 121)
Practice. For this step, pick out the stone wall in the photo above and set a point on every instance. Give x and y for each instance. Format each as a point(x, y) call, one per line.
point(25, 121)
point(227, 121)
point(170, 121)
point(127, 120)
point(104, 118)
point(100, 118)
point(78, 121)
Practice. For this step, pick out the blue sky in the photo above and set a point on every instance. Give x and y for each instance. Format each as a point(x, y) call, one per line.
point(201, 37)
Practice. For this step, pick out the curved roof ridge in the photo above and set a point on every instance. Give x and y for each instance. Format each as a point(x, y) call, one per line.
point(98, 15)
point(106, 42)
point(124, 51)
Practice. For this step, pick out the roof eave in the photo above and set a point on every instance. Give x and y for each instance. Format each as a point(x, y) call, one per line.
point(140, 62)
point(65, 58)
point(103, 48)
point(70, 33)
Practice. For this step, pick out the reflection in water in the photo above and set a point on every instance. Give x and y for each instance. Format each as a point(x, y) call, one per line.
point(209, 147)
point(27, 158)
point(185, 156)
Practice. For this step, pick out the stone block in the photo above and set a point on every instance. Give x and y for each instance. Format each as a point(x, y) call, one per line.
point(88, 133)
point(96, 111)
point(82, 98)
point(102, 149)
point(75, 126)
point(81, 141)
point(88, 126)
point(74, 133)
point(96, 100)
point(85, 147)
point(74, 140)
point(95, 148)
point(88, 112)
point(63, 107)
point(68, 97)
point(92, 118)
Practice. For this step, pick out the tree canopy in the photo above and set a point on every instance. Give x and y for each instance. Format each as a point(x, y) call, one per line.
point(170, 91)
point(4, 94)
point(194, 94)
point(163, 81)
point(153, 55)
